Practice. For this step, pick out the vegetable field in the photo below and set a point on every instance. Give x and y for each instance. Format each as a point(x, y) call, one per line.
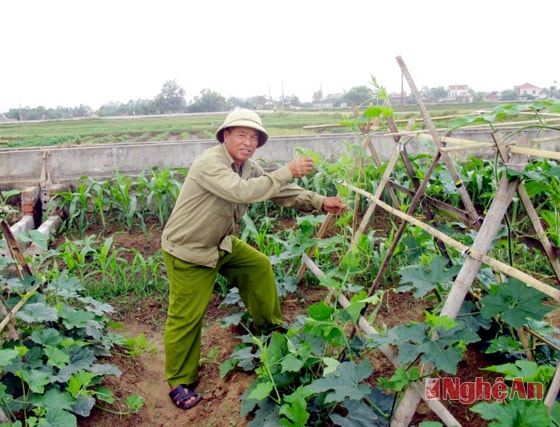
point(432, 301)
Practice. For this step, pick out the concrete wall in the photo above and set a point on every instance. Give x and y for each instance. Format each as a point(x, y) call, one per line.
point(20, 168)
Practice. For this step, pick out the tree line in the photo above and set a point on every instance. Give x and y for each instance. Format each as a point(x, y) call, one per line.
point(171, 100)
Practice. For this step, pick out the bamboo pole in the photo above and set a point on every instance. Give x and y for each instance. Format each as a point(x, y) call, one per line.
point(12, 331)
point(535, 152)
point(17, 307)
point(553, 389)
point(530, 208)
point(382, 184)
point(470, 251)
point(465, 197)
point(435, 405)
point(469, 270)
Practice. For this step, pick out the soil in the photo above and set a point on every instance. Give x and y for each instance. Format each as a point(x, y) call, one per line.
point(144, 374)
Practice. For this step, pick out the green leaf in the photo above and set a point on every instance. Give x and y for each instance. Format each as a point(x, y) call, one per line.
point(437, 321)
point(134, 402)
point(357, 303)
point(518, 413)
point(359, 414)
point(345, 382)
point(35, 379)
point(53, 398)
point(83, 406)
point(296, 407)
point(104, 394)
point(291, 363)
point(515, 302)
point(401, 378)
point(7, 355)
point(320, 311)
point(59, 418)
point(56, 357)
point(261, 391)
point(49, 336)
point(555, 413)
point(526, 369)
point(425, 279)
point(443, 357)
point(374, 112)
point(37, 312)
point(75, 318)
point(79, 381)
point(504, 344)
point(227, 366)
point(331, 365)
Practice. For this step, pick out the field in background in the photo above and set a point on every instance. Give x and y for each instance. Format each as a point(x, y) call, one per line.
point(193, 126)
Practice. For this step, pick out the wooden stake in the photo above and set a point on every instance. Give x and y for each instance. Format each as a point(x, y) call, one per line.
point(435, 405)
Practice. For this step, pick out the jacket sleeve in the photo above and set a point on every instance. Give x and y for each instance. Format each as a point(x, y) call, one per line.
point(216, 176)
point(293, 196)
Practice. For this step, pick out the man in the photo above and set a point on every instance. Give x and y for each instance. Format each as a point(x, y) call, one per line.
point(198, 243)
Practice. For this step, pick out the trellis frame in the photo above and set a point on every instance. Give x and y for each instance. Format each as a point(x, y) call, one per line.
point(516, 154)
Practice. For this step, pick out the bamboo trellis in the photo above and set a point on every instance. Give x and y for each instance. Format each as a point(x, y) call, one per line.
point(513, 154)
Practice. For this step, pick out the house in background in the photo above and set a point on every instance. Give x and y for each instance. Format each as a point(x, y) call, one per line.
point(527, 89)
point(492, 97)
point(457, 93)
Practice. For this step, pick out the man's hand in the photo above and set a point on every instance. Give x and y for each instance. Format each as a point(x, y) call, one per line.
point(300, 167)
point(334, 205)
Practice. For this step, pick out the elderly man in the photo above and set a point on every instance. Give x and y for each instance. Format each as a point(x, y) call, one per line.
point(198, 242)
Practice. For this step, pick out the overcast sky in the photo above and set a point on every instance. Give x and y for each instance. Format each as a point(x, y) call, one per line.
point(69, 52)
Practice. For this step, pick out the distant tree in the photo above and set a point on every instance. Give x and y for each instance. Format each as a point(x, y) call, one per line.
point(142, 107)
point(478, 96)
point(111, 109)
point(208, 101)
point(171, 99)
point(239, 102)
point(43, 113)
point(359, 95)
point(509, 95)
point(437, 93)
point(292, 101)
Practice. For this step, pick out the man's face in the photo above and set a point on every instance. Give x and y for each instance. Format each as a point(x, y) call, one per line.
point(241, 143)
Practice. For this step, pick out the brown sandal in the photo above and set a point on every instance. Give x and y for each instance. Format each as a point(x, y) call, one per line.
point(183, 397)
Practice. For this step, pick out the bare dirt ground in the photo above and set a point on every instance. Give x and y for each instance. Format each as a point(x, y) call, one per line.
point(144, 374)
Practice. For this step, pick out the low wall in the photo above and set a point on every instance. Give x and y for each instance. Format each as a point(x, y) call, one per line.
point(20, 168)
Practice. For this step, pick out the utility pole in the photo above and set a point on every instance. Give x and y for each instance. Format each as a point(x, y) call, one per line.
point(282, 102)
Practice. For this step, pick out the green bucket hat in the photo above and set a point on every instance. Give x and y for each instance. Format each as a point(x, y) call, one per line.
point(244, 118)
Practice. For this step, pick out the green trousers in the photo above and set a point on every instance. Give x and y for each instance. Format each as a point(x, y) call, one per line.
point(190, 291)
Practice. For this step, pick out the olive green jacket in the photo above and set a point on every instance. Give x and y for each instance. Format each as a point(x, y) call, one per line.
point(214, 198)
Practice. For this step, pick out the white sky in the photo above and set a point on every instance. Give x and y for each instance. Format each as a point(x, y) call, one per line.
point(67, 52)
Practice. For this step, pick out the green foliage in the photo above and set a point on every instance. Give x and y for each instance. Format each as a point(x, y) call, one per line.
point(514, 302)
point(518, 413)
point(498, 113)
point(527, 370)
point(124, 200)
point(437, 276)
point(300, 383)
point(104, 270)
point(416, 342)
point(315, 374)
point(53, 372)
